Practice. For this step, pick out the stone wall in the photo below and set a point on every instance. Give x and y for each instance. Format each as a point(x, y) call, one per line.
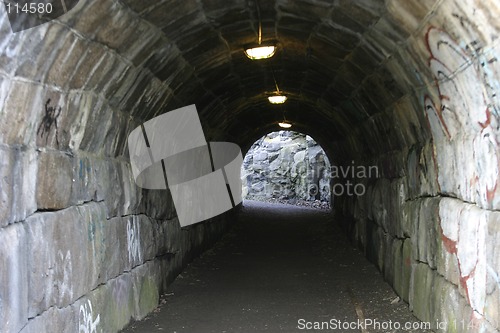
point(431, 221)
point(82, 248)
point(96, 253)
point(286, 165)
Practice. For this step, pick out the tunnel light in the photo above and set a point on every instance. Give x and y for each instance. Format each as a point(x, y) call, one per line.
point(285, 124)
point(260, 52)
point(277, 99)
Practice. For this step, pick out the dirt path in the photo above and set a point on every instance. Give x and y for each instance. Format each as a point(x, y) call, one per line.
point(281, 269)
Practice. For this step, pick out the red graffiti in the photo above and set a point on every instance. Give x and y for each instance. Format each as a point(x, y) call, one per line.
point(451, 247)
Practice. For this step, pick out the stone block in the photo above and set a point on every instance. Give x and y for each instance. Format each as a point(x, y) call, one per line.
point(381, 203)
point(67, 251)
point(102, 71)
point(109, 185)
point(17, 184)
point(120, 141)
point(84, 180)
point(11, 46)
point(140, 240)
point(421, 172)
point(88, 310)
point(52, 259)
point(380, 237)
point(471, 254)
point(42, 48)
point(131, 192)
point(409, 14)
point(73, 121)
point(54, 181)
point(145, 289)
point(166, 234)
point(132, 95)
point(91, 58)
point(406, 270)
point(117, 305)
point(64, 64)
point(106, 309)
point(115, 254)
point(124, 25)
point(20, 128)
point(97, 126)
point(7, 183)
point(121, 84)
point(110, 307)
point(447, 261)
point(447, 305)
point(13, 278)
point(92, 220)
point(360, 226)
point(100, 170)
point(421, 292)
point(426, 232)
point(53, 108)
point(466, 254)
point(118, 121)
point(396, 202)
point(398, 266)
point(53, 320)
point(487, 168)
point(410, 213)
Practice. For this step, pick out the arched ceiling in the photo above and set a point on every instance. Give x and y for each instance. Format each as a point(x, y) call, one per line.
point(357, 71)
point(333, 60)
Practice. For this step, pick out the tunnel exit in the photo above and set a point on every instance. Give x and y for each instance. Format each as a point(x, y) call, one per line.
point(288, 167)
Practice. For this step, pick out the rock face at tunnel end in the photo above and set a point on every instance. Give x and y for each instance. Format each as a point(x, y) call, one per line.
point(287, 166)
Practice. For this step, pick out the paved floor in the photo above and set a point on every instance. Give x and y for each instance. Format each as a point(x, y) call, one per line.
point(281, 269)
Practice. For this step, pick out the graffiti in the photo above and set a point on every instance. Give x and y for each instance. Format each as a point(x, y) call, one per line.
point(49, 120)
point(65, 269)
point(466, 241)
point(435, 119)
point(490, 70)
point(86, 322)
point(466, 79)
point(461, 99)
point(487, 164)
point(134, 241)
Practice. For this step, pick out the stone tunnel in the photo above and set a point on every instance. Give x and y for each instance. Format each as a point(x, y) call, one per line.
point(408, 86)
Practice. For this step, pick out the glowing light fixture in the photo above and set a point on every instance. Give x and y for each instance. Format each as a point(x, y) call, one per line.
point(260, 52)
point(284, 124)
point(277, 99)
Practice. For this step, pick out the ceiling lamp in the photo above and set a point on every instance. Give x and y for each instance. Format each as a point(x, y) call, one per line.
point(284, 124)
point(277, 99)
point(260, 52)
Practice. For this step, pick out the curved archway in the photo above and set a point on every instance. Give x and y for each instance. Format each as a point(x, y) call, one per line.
point(288, 167)
point(409, 86)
